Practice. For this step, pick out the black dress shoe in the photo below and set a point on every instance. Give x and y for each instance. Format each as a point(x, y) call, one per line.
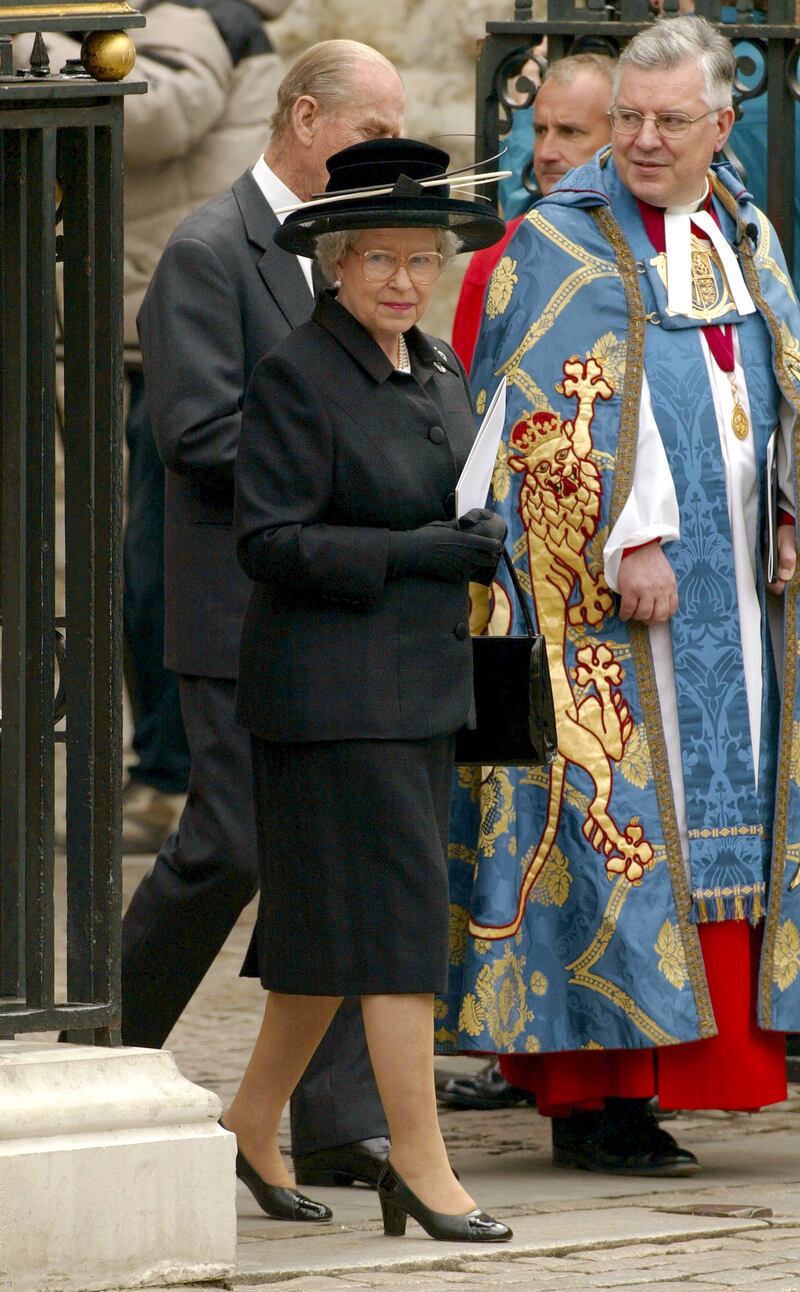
point(398, 1203)
point(483, 1092)
point(273, 1199)
point(278, 1202)
point(624, 1139)
point(360, 1162)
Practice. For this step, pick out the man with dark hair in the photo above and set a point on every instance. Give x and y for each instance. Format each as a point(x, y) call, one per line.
point(570, 122)
point(222, 295)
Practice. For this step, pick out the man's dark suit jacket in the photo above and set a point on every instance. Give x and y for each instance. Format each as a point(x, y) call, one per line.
point(337, 449)
point(222, 296)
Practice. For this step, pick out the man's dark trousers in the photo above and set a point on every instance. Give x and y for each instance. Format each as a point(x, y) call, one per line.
point(158, 741)
point(183, 911)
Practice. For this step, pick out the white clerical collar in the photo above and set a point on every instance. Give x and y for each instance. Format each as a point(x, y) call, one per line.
point(690, 207)
point(678, 243)
point(279, 196)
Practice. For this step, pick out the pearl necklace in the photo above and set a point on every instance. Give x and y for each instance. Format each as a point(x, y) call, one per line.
point(403, 362)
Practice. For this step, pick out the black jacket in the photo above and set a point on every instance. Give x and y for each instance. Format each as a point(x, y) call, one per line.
point(222, 295)
point(336, 450)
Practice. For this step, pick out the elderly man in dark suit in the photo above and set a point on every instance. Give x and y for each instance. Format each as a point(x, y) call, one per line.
point(223, 295)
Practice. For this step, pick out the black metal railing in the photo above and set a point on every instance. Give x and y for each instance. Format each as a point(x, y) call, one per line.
point(60, 258)
point(764, 36)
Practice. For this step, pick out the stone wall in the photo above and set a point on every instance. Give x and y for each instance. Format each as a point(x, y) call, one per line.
point(433, 44)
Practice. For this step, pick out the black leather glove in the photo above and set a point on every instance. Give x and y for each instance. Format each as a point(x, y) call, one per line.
point(442, 550)
point(483, 521)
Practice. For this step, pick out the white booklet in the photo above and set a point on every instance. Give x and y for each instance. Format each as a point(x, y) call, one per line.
point(771, 515)
point(472, 489)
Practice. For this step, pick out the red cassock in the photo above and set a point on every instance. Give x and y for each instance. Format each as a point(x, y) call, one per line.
point(742, 1068)
point(469, 309)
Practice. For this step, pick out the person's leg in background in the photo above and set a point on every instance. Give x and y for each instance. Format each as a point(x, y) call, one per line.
point(339, 1079)
point(157, 781)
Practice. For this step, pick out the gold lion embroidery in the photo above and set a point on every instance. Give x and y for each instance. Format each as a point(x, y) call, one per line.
point(501, 287)
point(560, 508)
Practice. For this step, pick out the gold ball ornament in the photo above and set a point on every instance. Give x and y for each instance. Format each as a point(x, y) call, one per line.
point(108, 55)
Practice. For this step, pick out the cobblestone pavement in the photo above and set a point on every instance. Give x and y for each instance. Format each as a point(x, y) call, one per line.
point(573, 1231)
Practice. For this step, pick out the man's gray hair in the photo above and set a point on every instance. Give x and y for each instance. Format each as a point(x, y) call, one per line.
point(564, 70)
point(326, 72)
point(669, 42)
point(330, 248)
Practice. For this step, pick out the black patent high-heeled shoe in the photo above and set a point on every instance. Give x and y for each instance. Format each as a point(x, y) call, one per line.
point(398, 1203)
point(274, 1200)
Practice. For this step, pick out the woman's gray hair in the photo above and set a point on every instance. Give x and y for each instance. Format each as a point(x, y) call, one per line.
point(331, 247)
point(669, 42)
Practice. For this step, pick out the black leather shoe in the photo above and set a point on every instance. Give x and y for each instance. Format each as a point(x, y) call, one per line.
point(360, 1162)
point(398, 1203)
point(273, 1199)
point(483, 1092)
point(277, 1202)
point(624, 1139)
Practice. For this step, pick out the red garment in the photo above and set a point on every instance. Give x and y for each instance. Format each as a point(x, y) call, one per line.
point(469, 310)
point(741, 1069)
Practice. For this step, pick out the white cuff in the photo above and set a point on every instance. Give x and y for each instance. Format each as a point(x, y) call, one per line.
point(651, 509)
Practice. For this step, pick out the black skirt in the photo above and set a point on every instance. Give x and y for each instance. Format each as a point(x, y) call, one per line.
point(352, 839)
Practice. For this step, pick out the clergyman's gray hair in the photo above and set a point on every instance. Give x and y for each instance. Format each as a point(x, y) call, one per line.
point(669, 42)
point(326, 72)
point(331, 247)
point(564, 70)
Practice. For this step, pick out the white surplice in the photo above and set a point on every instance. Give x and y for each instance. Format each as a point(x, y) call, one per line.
point(651, 512)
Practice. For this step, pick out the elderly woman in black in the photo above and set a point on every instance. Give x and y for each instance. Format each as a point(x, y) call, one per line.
point(356, 667)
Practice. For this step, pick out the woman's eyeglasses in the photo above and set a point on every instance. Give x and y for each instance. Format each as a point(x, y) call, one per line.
point(423, 267)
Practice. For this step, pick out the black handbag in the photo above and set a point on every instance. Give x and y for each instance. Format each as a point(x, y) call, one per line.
point(515, 717)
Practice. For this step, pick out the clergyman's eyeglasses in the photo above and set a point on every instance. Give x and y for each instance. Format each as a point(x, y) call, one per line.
point(672, 125)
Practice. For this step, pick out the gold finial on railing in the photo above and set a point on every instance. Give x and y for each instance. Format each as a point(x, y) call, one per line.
point(108, 55)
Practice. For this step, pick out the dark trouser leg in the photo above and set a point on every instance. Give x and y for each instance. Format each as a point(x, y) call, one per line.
point(337, 1102)
point(203, 877)
point(158, 739)
point(182, 912)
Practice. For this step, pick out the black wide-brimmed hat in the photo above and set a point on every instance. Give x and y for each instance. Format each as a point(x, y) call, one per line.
point(392, 184)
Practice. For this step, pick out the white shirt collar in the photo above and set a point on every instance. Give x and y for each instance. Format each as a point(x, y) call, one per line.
point(278, 195)
point(273, 188)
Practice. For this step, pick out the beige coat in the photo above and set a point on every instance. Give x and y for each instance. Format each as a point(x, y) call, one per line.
point(201, 123)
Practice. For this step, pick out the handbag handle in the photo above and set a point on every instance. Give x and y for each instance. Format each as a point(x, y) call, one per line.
point(526, 614)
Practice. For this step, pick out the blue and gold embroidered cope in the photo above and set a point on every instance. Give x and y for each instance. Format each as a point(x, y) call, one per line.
point(573, 920)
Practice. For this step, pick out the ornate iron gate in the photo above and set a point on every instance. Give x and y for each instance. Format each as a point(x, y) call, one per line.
point(61, 204)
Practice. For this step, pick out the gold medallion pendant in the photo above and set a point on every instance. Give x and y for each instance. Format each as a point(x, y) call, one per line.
point(741, 426)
